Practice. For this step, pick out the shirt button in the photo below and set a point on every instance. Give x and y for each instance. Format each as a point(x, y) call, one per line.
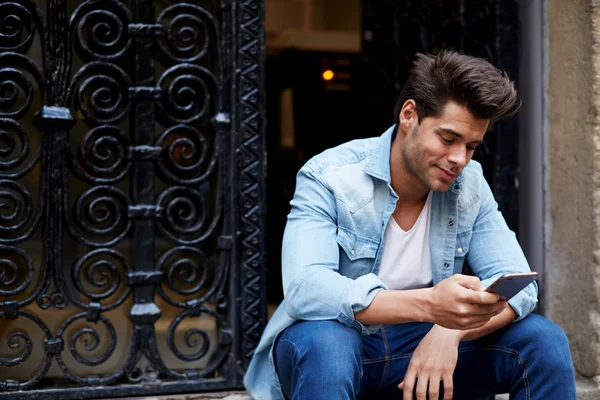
point(459, 250)
point(451, 223)
point(446, 265)
point(457, 187)
point(352, 252)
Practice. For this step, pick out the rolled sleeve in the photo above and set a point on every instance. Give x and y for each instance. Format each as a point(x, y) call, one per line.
point(359, 296)
point(313, 287)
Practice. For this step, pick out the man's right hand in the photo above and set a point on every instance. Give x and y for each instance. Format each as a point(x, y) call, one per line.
point(459, 302)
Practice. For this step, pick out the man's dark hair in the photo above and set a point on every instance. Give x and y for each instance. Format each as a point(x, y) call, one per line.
point(487, 92)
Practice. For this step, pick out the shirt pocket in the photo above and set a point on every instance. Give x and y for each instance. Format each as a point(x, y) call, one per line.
point(356, 247)
point(357, 254)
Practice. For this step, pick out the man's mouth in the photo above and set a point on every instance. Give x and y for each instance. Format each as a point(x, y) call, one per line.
point(447, 175)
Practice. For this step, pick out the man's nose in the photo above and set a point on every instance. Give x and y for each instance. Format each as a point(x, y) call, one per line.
point(458, 156)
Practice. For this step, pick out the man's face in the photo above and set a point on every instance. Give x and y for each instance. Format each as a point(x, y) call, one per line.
point(437, 149)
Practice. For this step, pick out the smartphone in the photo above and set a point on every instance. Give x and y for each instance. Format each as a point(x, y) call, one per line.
point(510, 284)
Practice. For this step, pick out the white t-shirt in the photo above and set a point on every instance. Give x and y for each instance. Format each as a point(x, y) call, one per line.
point(406, 262)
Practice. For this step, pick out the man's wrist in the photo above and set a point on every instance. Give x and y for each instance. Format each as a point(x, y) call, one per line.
point(456, 334)
point(424, 305)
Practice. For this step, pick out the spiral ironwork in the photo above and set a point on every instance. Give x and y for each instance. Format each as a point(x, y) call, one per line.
point(101, 212)
point(22, 340)
point(100, 90)
point(20, 80)
point(16, 206)
point(102, 269)
point(14, 144)
point(190, 155)
point(90, 339)
point(194, 338)
point(18, 25)
point(101, 156)
point(190, 29)
point(100, 29)
point(139, 166)
point(189, 94)
point(14, 279)
point(15, 344)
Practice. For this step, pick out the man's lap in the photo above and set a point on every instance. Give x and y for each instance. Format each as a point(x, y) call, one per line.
point(486, 365)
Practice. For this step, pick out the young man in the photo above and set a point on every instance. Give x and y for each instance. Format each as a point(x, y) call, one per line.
point(379, 230)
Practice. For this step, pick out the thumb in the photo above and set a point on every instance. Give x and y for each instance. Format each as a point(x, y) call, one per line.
point(401, 385)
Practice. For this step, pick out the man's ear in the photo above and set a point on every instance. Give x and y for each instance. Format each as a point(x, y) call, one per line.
point(408, 116)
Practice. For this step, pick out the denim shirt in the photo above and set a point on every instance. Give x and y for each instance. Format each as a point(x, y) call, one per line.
point(334, 238)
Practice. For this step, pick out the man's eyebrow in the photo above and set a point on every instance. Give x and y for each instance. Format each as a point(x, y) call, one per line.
point(459, 135)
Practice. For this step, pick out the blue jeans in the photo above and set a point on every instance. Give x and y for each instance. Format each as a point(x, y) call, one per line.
point(529, 359)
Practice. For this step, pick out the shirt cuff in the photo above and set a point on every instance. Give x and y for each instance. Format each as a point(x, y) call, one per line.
point(359, 295)
point(523, 302)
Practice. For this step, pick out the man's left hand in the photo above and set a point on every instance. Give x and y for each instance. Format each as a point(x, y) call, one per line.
point(432, 362)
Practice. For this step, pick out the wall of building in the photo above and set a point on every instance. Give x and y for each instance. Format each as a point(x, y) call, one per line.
point(572, 247)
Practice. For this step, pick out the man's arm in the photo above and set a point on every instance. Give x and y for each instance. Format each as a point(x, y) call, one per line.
point(313, 287)
point(506, 317)
point(455, 303)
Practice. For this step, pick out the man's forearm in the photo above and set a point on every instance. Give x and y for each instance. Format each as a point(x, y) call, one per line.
point(395, 307)
point(506, 317)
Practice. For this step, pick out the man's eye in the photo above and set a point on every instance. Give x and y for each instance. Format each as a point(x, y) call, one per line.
point(446, 140)
point(472, 148)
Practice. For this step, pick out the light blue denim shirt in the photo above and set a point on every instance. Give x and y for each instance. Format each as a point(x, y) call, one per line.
point(334, 239)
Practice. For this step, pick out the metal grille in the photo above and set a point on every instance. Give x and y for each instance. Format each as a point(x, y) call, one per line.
point(131, 196)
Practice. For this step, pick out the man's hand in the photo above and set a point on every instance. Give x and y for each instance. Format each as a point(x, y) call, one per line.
point(459, 303)
point(433, 360)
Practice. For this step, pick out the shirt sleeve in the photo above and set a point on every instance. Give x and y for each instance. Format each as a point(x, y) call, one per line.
point(313, 287)
point(495, 252)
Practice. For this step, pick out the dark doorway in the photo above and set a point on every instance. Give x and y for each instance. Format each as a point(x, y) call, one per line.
point(323, 116)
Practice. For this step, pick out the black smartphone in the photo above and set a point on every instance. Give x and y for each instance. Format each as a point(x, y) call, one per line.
point(509, 285)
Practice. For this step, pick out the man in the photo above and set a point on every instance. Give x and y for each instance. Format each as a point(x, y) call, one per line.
point(377, 237)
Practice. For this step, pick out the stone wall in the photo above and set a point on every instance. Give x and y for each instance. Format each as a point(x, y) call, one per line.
point(572, 246)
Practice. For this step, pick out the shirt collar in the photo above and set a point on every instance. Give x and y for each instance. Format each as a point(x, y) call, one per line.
point(378, 165)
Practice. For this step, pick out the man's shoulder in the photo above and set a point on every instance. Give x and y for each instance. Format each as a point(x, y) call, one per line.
point(352, 153)
point(341, 170)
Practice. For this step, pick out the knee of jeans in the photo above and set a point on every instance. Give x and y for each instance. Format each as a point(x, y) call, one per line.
point(328, 341)
point(550, 343)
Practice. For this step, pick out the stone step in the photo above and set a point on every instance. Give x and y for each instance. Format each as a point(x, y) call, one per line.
point(237, 395)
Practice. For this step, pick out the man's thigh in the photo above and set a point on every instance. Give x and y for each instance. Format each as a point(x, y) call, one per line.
point(516, 358)
point(485, 366)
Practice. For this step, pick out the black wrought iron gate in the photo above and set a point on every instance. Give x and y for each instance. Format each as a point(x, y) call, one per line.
point(131, 195)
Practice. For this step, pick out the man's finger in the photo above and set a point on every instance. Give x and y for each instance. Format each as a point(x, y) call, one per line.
point(488, 309)
point(481, 297)
point(448, 386)
point(434, 387)
point(422, 381)
point(409, 384)
point(470, 282)
point(401, 385)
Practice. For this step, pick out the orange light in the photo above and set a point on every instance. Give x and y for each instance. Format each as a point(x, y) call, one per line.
point(328, 75)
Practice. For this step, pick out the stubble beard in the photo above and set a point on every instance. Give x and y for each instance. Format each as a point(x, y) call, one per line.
point(414, 160)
